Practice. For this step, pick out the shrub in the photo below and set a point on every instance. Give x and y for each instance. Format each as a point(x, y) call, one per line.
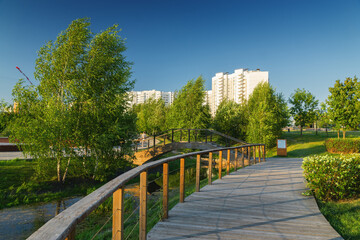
point(335, 145)
point(333, 177)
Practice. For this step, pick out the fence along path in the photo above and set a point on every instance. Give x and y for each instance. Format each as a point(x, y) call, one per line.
point(262, 201)
point(63, 226)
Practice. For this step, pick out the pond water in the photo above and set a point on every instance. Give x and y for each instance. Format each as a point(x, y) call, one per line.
point(21, 222)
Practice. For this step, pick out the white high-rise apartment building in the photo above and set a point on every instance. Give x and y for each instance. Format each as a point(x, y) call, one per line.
point(236, 86)
point(137, 97)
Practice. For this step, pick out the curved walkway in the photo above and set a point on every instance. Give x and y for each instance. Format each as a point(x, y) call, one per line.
point(262, 201)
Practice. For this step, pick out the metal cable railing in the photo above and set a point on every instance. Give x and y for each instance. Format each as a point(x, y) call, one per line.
point(63, 226)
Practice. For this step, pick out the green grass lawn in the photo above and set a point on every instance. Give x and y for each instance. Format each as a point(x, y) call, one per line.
point(308, 144)
point(344, 216)
point(14, 173)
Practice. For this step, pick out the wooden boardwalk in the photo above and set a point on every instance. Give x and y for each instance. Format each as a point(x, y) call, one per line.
point(262, 201)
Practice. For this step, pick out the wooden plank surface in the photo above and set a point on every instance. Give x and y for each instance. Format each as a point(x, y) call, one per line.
point(262, 201)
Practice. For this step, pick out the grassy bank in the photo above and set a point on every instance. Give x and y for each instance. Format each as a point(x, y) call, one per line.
point(344, 216)
point(308, 144)
point(18, 186)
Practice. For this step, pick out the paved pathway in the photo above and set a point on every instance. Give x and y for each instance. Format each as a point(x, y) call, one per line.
point(263, 201)
point(11, 155)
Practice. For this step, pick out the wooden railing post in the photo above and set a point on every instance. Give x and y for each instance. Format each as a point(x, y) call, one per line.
point(165, 190)
point(259, 154)
point(228, 162)
point(210, 169)
point(254, 153)
point(118, 214)
point(198, 173)
point(264, 154)
point(189, 135)
point(220, 164)
point(249, 154)
point(154, 144)
point(236, 159)
point(242, 157)
point(71, 235)
point(182, 180)
point(143, 203)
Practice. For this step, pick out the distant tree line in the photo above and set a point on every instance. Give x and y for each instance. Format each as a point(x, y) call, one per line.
point(71, 121)
point(340, 111)
point(258, 120)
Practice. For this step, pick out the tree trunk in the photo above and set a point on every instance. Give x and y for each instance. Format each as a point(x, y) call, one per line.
point(344, 133)
point(58, 169)
point(316, 128)
point(300, 130)
point(66, 170)
point(338, 131)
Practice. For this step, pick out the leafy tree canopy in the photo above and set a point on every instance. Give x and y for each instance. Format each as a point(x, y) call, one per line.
point(344, 105)
point(77, 113)
point(151, 116)
point(267, 114)
point(231, 119)
point(188, 109)
point(303, 107)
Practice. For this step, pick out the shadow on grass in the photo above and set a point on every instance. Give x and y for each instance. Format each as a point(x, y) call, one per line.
point(307, 151)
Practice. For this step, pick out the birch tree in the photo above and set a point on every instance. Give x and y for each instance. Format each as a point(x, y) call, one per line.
point(71, 120)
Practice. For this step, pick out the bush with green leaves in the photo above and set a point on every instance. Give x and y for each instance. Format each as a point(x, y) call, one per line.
point(333, 177)
point(337, 145)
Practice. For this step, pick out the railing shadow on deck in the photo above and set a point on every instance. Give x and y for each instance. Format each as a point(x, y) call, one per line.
point(63, 226)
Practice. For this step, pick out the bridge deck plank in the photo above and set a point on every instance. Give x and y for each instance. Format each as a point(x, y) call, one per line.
point(262, 201)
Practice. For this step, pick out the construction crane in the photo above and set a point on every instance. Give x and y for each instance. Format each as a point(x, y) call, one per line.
point(24, 75)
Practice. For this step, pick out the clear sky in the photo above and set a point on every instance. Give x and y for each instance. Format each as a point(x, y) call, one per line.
point(303, 44)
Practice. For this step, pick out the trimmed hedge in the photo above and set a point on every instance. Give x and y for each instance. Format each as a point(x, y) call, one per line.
point(333, 177)
point(339, 145)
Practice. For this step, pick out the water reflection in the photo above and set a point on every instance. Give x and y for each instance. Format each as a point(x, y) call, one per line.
point(21, 222)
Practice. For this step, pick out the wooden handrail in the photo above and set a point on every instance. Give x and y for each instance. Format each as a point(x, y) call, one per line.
point(64, 224)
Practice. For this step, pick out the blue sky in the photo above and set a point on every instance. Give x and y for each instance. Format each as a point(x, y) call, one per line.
point(303, 44)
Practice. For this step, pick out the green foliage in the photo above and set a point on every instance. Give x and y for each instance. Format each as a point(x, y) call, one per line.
point(187, 110)
point(78, 112)
point(344, 104)
point(267, 114)
point(151, 116)
point(334, 145)
point(303, 107)
point(18, 185)
point(333, 177)
point(323, 116)
point(231, 119)
point(6, 114)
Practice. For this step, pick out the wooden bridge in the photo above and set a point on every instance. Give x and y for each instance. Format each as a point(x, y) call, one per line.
point(262, 200)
